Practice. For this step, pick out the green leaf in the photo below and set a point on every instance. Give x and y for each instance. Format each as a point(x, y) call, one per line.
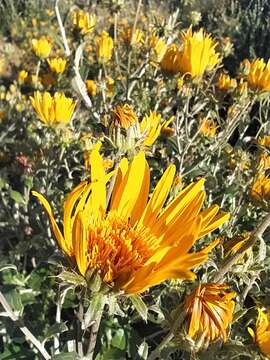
point(143, 350)
point(8, 267)
point(16, 196)
point(119, 340)
point(140, 306)
point(13, 297)
point(66, 356)
point(96, 306)
point(72, 278)
point(57, 328)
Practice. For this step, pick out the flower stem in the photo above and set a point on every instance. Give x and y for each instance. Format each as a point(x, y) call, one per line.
point(29, 336)
point(228, 263)
point(179, 318)
point(93, 334)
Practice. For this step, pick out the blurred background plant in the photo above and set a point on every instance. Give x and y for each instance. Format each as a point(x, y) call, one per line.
point(188, 83)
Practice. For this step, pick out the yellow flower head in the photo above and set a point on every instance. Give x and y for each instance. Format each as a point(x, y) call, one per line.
point(22, 76)
point(264, 141)
point(136, 39)
point(52, 110)
point(83, 21)
point(104, 47)
point(91, 87)
point(258, 74)
point(226, 83)
point(170, 61)
point(124, 117)
point(109, 86)
point(57, 65)
point(209, 311)
point(198, 54)
point(42, 47)
point(132, 241)
point(150, 127)
point(208, 127)
point(262, 332)
point(264, 162)
point(260, 190)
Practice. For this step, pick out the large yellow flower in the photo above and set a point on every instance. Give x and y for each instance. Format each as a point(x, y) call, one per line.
point(209, 311)
point(42, 47)
point(262, 332)
point(258, 74)
point(83, 21)
point(198, 54)
point(104, 47)
point(134, 242)
point(53, 110)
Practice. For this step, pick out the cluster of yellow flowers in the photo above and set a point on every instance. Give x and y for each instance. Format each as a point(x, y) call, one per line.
point(116, 226)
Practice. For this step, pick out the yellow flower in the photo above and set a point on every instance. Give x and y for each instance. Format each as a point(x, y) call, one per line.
point(226, 83)
point(264, 141)
point(83, 21)
point(91, 87)
point(209, 311)
point(22, 76)
point(264, 161)
point(198, 55)
point(57, 65)
point(170, 61)
point(159, 46)
point(260, 190)
point(109, 86)
point(243, 87)
point(124, 117)
point(150, 127)
point(258, 74)
point(134, 242)
point(208, 127)
point(262, 332)
point(137, 38)
point(53, 110)
point(104, 47)
point(42, 47)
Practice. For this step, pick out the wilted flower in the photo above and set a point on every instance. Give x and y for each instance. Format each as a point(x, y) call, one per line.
point(22, 76)
point(208, 127)
point(91, 87)
point(53, 110)
point(226, 83)
point(233, 245)
point(198, 54)
point(130, 240)
point(262, 332)
point(57, 65)
point(83, 21)
point(258, 74)
point(260, 190)
point(123, 117)
point(209, 311)
point(42, 47)
point(170, 62)
point(104, 47)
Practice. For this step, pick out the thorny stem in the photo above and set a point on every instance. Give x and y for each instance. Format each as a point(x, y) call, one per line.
point(228, 263)
point(179, 318)
point(29, 336)
point(93, 336)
